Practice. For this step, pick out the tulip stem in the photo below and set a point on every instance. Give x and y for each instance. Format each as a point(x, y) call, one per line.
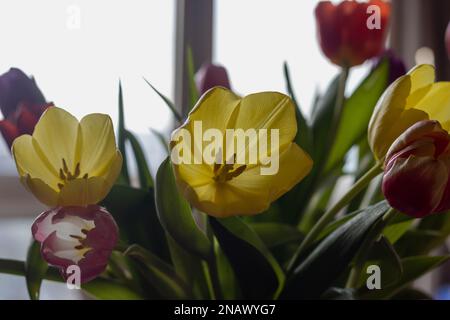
point(364, 250)
point(328, 216)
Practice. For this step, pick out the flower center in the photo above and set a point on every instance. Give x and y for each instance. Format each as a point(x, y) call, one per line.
point(224, 172)
point(66, 175)
point(81, 248)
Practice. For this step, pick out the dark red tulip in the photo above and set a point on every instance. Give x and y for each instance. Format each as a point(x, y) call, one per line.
point(80, 236)
point(21, 102)
point(343, 31)
point(417, 169)
point(209, 76)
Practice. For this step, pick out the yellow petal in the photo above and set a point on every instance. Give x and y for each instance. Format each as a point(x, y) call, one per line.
point(55, 136)
point(29, 162)
point(294, 165)
point(40, 190)
point(268, 110)
point(113, 169)
point(98, 143)
point(214, 109)
point(436, 103)
point(421, 76)
point(83, 192)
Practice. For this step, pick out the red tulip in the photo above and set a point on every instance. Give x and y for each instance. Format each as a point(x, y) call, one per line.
point(344, 33)
point(76, 236)
point(417, 169)
point(209, 76)
point(21, 102)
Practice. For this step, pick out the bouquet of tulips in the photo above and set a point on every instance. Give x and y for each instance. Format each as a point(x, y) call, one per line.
point(249, 202)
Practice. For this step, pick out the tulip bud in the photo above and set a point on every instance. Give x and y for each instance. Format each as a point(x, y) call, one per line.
point(417, 168)
point(346, 34)
point(209, 76)
point(15, 88)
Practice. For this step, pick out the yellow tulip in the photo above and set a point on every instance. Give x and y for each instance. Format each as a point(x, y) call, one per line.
point(224, 189)
point(410, 99)
point(66, 162)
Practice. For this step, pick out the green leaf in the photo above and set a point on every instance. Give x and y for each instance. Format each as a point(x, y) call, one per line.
point(395, 231)
point(193, 92)
point(321, 121)
point(339, 294)
point(383, 255)
point(175, 213)
point(160, 274)
point(356, 113)
point(413, 268)
point(145, 178)
point(276, 234)
point(35, 270)
point(303, 137)
point(190, 268)
point(169, 103)
point(108, 289)
point(135, 212)
point(258, 273)
point(124, 176)
point(329, 259)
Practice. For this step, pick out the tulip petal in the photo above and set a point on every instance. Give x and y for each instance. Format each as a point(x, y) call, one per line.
point(421, 76)
point(82, 192)
point(98, 143)
point(42, 191)
point(415, 185)
point(29, 161)
point(217, 107)
point(56, 135)
point(437, 103)
point(294, 165)
point(268, 110)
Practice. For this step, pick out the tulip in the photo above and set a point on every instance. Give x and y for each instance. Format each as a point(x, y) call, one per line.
point(417, 170)
point(222, 188)
point(17, 88)
point(410, 99)
point(66, 162)
point(211, 75)
point(76, 236)
point(447, 40)
point(397, 67)
point(21, 103)
point(343, 31)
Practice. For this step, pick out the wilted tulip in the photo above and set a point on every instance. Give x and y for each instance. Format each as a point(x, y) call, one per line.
point(76, 236)
point(417, 170)
point(211, 75)
point(351, 32)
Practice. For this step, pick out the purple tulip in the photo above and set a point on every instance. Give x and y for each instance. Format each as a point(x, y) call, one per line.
point(396, 65)
point(209, 76)
point(17, 88)
point(81, 236)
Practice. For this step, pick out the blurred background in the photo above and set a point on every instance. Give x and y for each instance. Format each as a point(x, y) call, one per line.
point(78, 50)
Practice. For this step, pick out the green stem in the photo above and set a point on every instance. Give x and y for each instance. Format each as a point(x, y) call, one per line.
point(366, 246)
point(212, 265)
point(328, 216)
point(17, 268)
